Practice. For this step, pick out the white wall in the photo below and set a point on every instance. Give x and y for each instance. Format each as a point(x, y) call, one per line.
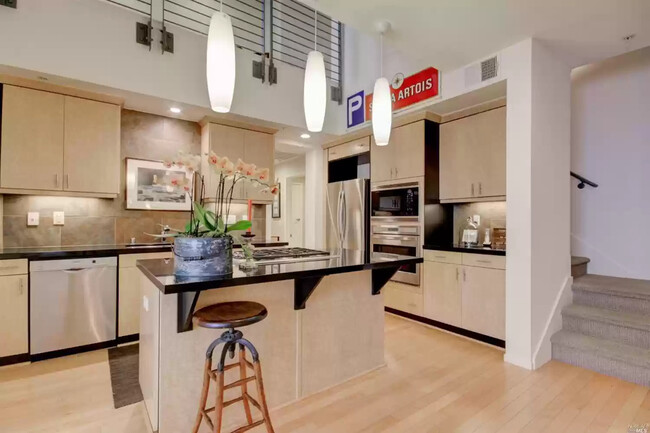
point(610, 144)
point(94, 41)
point(314, 200)
point(291, 168)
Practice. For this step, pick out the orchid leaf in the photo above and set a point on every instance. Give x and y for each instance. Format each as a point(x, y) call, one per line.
point(239, 225)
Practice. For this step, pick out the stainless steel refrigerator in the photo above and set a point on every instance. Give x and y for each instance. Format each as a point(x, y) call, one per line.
point(348, 204)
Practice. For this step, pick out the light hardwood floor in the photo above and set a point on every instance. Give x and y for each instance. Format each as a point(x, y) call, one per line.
point(433, 382)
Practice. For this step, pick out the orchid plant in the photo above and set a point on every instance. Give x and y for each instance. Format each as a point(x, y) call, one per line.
point(212, 223)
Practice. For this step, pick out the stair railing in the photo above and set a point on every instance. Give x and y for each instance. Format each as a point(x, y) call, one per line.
point(583, 181)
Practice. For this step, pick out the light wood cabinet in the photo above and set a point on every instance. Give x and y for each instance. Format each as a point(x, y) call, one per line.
point(31, 155)
point(484, 301)
point(238, 143)
point(348, 149)
point(259, 150)
point(403, 297)
point(129, 292)
point(442, 293)
point(14, 322)
point(403, 157)
point(473, 157)
point(91, 161)
point(466, 291)
point(58, 144)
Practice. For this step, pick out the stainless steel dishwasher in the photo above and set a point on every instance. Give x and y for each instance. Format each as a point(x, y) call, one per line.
point(72, 303)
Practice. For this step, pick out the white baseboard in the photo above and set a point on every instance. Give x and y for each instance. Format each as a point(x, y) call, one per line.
point(542, 352)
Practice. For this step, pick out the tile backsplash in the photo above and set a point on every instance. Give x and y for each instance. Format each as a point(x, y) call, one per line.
point(493, 215)
point(95, 221)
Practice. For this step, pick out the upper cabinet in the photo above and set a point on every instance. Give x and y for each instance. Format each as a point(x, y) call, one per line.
point(473, 157)
point(253, 147)
point(403, 157)
point(351, 148)
point(56, 143)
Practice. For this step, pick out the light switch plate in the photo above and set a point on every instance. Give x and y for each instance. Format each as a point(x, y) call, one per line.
point(59, 218)
point(32, 218)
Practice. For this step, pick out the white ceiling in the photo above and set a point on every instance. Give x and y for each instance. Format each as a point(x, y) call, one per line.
point(452, 33)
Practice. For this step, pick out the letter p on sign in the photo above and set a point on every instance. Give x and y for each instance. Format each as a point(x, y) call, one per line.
point(356, 111)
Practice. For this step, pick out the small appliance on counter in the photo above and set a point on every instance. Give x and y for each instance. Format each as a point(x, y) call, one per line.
point(469, 234)
point(487, 242)
point(499, 238)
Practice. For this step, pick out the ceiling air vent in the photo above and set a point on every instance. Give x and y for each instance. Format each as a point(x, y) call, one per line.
point(488, 69)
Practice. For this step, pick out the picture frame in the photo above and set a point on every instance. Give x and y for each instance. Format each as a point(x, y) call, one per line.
point(276, 204)
point(146, 186)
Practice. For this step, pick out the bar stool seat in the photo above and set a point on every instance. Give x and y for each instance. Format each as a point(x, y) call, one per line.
point(229, 315)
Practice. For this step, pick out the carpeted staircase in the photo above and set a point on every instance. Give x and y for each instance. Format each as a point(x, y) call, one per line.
point(607, 328)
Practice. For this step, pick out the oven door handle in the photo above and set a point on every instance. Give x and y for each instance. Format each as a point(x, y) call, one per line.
point(396, 242)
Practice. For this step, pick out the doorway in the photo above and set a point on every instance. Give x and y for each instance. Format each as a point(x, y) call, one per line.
point(295, 223)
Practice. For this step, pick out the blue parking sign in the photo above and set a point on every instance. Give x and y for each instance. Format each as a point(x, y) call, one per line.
point(356, 110)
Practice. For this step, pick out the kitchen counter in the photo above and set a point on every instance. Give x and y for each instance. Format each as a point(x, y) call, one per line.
point(325, 325)
point(161, 271)
point(85, 251)
point(459, 249)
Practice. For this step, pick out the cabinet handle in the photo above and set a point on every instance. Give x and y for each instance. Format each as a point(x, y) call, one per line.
point(472, 190)
point(56, 180)
point(464, 275)
point(20, 286)
point(457, 272)
point(440, 257)
point(396, 172)
point(67, 183)
point(480, 188)
point(484, 261)
point(391, 172)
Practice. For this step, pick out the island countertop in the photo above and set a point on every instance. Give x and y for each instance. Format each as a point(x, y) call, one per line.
point(161, 271)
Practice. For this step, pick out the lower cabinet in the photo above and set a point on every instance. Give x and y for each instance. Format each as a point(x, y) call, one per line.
point(14, 307)
point(129, 296)
point(403, 297)
point(466, 291)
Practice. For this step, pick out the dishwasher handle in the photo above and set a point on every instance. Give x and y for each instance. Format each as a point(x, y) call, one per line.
point(74, 270)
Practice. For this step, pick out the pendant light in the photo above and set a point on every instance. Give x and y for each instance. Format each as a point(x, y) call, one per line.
point(382, 104)
point(220, 61)
point(315, 87)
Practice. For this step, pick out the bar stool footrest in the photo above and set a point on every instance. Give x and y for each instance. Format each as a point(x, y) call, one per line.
point(249, 426)
point(239, 382)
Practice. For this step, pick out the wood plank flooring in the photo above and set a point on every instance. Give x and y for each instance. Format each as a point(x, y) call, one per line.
point(433, 382)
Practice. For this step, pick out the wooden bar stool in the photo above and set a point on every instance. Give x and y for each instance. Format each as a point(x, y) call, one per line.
point(230, 315)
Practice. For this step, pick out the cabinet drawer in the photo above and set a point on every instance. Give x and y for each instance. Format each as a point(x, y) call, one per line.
point(128, 260)
point(400, 297)
point(484, 261)
point(442, 256)
point(344, 150)
point(13, 267)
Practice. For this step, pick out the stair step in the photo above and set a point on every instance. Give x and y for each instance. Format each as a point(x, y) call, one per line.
point(620, 294)
point(604, 356)
point(579, 266)
point(629, 328)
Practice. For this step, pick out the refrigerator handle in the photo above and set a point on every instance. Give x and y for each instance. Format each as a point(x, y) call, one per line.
point(344, 215)
point(339, 219)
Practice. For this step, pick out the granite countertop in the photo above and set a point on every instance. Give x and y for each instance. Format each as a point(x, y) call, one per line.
point(460, 249)
point(82, 251)
point(161, 271)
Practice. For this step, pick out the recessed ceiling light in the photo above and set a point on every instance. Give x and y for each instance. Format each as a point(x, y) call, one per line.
point(175, 110)
point(305, 135)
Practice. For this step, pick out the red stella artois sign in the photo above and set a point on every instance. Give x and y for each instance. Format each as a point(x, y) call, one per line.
point(410, 90)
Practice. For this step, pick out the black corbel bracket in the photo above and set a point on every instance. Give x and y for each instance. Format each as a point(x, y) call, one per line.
point(380, 277)
point(302, 290)
point(185, 306)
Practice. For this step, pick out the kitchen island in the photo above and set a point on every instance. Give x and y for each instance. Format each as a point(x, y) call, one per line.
point(325, 325)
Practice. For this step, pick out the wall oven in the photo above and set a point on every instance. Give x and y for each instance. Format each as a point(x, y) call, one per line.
point(403, 239)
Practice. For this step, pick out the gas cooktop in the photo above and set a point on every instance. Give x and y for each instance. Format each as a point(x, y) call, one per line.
point(263, 254)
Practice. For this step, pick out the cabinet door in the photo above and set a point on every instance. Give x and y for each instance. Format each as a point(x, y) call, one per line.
point(259, 150)
point(457, 161)
point(382, 164)
point(91, 147)
point(129, 302)
point(32, 139)
point(403, 297)
point(13, 315)
point(226, 141)
point(442, 293)
point(484, 301)
point(491, 151)
point(408, 147)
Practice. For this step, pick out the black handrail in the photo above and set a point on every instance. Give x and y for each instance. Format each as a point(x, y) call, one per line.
point(583, 181)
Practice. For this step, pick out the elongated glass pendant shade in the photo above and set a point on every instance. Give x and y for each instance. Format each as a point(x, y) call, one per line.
point(220, 62)
point(382, 112)
point(315, 92)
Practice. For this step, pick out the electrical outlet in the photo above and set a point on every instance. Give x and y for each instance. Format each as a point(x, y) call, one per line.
point(32, 218)
point(59, 218)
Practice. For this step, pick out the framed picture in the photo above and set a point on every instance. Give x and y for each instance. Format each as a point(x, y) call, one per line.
point(275, 205)
point(147, 186)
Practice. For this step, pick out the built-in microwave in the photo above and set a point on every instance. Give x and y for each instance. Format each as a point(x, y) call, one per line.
point(396, 201)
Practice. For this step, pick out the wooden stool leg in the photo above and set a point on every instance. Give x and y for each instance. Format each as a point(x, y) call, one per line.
point(244, 385)
point(262, 395)
point(218, 405)
point(204, 395)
